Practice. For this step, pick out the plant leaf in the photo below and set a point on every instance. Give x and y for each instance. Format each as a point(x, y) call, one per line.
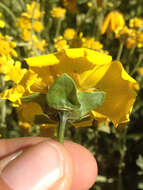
point(90, 101)
point(62, 95)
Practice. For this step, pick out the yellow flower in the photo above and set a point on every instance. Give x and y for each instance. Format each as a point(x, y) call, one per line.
point(94, 71)
point(140, 39)
point(58, 12)
point(112, 22)
point(136, 22)
point(2, 23)
point(5, 63)
point(140, 71)
point(25, 127)
point(60, 44)
point(26, 35)
point(125, 32)
point(69, 33)
point(71, 5)
point(37, 26)
point(14, 94)
point(24, 23)
point(33, 10)
point(91, 44)
point(15, 72)
point(27, 111)
point(7, 46)
point(130, 42)
point(39, 44)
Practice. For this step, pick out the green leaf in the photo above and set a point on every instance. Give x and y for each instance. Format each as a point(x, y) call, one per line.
point(43, 118)
point(90, 101)
point(62, 95)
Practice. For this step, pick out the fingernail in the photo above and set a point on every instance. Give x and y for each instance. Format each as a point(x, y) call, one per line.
point(8, 159)
point(38, 168)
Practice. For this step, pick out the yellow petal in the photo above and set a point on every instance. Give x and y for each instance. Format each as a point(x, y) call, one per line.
point(42, 61)
point(121, 91)
point(27, 111)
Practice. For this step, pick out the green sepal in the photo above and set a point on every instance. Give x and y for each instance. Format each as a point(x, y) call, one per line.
point(43, 118)
point(62, 95)
point(90, 101)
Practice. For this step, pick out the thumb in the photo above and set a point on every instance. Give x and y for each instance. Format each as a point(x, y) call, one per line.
point(46, 165)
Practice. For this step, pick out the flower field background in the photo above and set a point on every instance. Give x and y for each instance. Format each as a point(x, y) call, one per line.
point(75, 29)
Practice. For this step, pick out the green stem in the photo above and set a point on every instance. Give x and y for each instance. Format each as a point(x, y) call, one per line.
point(120, 50)
point(137, 65)
point(62, 124)
point(132, 51)
point(32, 31)
point(59, 21)
point(8, 11)
point(3, 111)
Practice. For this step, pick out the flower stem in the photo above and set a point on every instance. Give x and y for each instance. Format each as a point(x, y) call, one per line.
point(59, 21)
point(137, 65)
point(62, 124)
point(120, 50)
point(3, 112)
point(32, 31)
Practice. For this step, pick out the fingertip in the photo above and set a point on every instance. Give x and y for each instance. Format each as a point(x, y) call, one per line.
point(85, 166)
point(46, 165)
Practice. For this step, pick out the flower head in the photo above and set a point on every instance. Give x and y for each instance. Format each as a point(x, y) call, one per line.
point(113, 21)
point(58, 12)
point(33, 7)
point(60, 43)
point(136, 22)
point(91, 44)
point(94, 71)
point(69, 33)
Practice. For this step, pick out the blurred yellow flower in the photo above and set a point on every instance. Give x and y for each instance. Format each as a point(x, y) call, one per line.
point(39, 44)
point(58, 12)
point(125, 32)
point(140, 39)
point(25, 127)
point(140, 71)
point(130, 42)
point(27, 111)
point(26, 35)
point(33, 10)
point(2, 23)
point(60, 44)
point(136, 22)
point(91, 44)
point(112, 22)
point(94, 71)
point(69, 33)
point(24, 23)
point(5, 63)
point(7, 46)
point(37, 26)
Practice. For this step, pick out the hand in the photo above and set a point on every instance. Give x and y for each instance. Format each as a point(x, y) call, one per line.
point(36, 163)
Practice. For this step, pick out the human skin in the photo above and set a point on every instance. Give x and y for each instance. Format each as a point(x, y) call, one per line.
point(36, 163)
